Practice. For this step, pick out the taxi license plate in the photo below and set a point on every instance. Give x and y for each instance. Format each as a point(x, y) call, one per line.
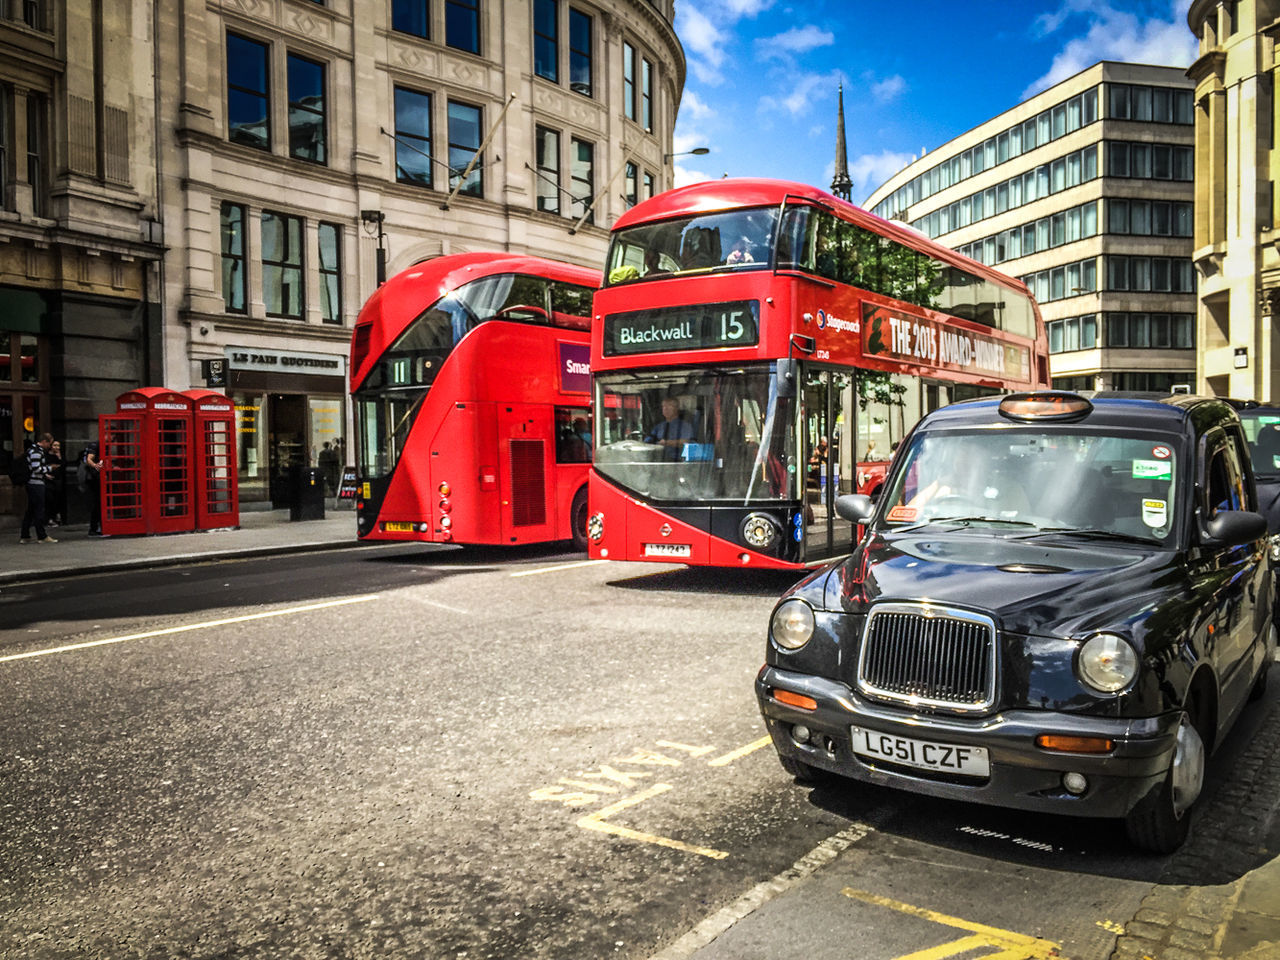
point(397, 526)
point(668, 550)
point(922, 754)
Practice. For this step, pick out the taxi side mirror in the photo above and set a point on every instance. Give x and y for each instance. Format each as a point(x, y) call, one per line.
point(1233, 528)
point(855, 507)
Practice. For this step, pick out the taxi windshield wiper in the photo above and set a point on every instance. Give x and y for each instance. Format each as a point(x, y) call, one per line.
point(965, 520)
point(1088, 532)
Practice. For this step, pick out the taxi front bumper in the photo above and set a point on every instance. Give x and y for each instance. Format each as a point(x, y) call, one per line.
point(1022, 775)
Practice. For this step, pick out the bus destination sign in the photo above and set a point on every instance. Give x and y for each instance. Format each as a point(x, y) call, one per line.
point(693, 327)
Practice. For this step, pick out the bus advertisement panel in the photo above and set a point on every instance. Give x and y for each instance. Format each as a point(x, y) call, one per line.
point(471, 380)
point(760, 347)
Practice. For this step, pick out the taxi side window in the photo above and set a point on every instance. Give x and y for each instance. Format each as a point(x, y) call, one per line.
point(1239, 456)
point(1224, 485)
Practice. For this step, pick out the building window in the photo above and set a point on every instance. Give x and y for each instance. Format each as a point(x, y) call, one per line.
point(462, 25)
point(233, 253)
point(646, 94)
point(413, 137)
point(579, 52)
point(548, 150)
point(248, 93)
point(6, 149)
point(464, 141)
point(1161, 331)
point(1073, 333)
point(1127, 101)
point(631, 185)
point(581, 177)
point(306, 110)
point(282, 288)
point(412, 17)
point(330, 249)
point(546, 40)
point(1150, 274)
point(1150, 380)
point(648, 185)
point(629, 81)
point(38, 152)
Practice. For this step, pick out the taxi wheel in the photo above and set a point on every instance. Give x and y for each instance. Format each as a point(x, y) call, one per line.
point(1161, 820)
point(578, 520)
point(803, 772)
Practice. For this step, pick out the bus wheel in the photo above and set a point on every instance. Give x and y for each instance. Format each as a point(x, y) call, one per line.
point(578, 520)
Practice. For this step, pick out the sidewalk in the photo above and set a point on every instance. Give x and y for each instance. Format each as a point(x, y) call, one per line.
point(260, 532)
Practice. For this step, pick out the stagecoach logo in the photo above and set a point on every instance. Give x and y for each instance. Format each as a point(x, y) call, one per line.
point(835, 323)
point(665, 529)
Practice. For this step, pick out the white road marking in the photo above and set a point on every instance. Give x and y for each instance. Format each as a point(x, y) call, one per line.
point(762, 893)
point(563, 566)
point(187, 627)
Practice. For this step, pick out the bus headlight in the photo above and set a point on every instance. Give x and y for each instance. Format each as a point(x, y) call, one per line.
point(1107, 663)
point(760, 531)
point(792, 624)
point(595, 527)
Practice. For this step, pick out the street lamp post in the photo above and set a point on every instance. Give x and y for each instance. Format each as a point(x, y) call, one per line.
point(373, 220)
point(695, 152)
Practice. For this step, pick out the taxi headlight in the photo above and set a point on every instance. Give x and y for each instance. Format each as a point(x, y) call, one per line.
point(792, 624)
point(1107, 663)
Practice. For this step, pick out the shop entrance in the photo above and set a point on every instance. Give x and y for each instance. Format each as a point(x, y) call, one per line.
point(287, 442)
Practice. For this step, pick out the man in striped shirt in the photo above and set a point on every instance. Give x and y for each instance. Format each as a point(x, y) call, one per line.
point(41, 472)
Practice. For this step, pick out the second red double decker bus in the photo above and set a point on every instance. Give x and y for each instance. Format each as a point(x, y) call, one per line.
point(760, 346)
point(470, 378)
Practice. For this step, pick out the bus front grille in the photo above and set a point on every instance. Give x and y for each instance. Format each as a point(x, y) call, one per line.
point(528, 484)
point(930, 656)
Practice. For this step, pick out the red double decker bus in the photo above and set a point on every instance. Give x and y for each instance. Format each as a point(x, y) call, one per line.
point(471, 384)
point(761, 346)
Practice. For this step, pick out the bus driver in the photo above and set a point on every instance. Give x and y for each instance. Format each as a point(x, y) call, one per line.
point(673, 432)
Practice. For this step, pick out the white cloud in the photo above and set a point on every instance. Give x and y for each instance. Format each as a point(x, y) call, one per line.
point(694, 107)
point(796, 40)
point(746, 8)
point(700, 36)
point(683, 176)
point(870, 170)
point(801, 97)
point(890, 88)
point(1116, 35)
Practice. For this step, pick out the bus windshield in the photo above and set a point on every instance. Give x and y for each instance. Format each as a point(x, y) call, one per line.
point(1059, 481)
point(733, 240)
point(697, 433)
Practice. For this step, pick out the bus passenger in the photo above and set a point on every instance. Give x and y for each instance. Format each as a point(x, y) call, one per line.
point(673, 432)
point(741, 252)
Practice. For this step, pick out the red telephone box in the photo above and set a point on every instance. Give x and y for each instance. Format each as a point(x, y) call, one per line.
point(150, 434)
point(214, 461)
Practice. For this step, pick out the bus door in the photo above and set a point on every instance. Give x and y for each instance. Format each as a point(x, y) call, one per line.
point(829, 438)
point(526, 443)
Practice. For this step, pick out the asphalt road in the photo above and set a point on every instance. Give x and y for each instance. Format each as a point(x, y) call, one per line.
point(420, 752)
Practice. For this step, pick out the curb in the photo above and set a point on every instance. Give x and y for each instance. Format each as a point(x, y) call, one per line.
point(13, 577)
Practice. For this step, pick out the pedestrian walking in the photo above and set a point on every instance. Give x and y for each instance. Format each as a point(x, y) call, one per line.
point(91, 466)
point(55, 501)
point(39, 474)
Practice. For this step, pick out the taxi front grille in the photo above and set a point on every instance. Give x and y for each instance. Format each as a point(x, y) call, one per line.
point(929, 656)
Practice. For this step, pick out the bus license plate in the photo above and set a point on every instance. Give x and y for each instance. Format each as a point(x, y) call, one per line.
point(922, 754)
point(397, 526)
point(668, 550)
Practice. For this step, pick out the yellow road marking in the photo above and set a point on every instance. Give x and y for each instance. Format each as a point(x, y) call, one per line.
point(1011, 946)
point(563, 566)
point(596, 821)
point(187, 627)
point(733, 755)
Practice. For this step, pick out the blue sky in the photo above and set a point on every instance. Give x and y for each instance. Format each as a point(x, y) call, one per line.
point(763, 74)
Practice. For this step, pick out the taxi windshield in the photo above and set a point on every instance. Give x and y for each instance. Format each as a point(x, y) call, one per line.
point(1036, 481)
point(1262, 430)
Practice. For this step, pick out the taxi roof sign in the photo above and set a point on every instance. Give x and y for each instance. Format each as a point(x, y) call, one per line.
point(1045, 405)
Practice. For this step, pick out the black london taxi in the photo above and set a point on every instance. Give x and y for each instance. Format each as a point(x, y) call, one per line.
point(1060, 604)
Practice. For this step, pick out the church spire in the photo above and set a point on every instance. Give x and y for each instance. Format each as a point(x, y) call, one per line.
point(841, 185)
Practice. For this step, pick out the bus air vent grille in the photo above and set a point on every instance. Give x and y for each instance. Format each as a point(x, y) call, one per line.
point(528, 484)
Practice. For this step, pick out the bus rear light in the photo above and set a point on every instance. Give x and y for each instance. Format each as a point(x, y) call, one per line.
point(446, 505)
point(446, 522)
point(446, 535)
point(744, 557)
point(444, 489)
point(424, 527)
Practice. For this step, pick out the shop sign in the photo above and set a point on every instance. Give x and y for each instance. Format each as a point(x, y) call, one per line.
point(350, 484)
point(286, 361)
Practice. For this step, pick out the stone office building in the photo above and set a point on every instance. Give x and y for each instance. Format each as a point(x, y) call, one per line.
point(221, 181)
